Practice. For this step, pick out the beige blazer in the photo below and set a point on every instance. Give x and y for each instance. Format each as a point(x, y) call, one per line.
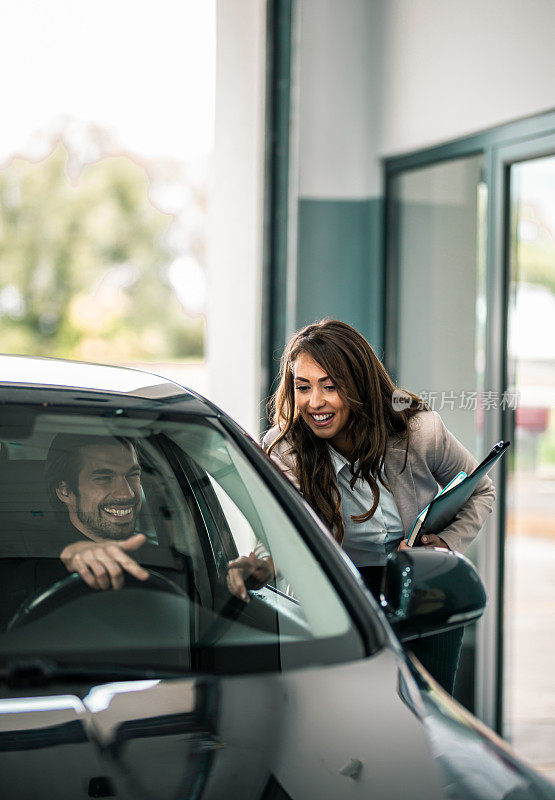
point(435, 456)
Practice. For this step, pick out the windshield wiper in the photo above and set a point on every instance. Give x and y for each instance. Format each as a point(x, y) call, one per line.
point(23, 673)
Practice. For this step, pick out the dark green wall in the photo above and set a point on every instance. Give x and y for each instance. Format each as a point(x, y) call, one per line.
point(339, 264)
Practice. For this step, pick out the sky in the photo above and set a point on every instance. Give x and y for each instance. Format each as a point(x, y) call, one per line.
point(143, 70)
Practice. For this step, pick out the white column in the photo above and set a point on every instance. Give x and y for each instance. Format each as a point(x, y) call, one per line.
point(236, 233)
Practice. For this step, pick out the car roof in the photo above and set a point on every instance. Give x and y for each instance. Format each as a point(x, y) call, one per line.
point(57, 373)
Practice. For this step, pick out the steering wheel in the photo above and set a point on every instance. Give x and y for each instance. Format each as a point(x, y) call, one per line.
point(73, 587)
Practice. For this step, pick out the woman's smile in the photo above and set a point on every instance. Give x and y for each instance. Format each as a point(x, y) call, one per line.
point(322, 419)
point(319, 403)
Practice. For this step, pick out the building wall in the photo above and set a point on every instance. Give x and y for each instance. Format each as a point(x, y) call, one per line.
point(454, 67)
point(235, 241)
point(338, 191)
point(378, 78)
point(384, 77)
point(371, 79)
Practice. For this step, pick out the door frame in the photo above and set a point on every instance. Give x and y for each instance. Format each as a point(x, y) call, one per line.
point(503, 158)
point(501, 147)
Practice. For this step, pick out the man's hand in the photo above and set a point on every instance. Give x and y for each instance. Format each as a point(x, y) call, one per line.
point(257, 571)
point(102, 564)
point(428, 540)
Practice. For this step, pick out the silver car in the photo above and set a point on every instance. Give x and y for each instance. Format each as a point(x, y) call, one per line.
point(164, 684)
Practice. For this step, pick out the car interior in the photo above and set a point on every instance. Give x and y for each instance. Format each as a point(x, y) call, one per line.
point(198, 512)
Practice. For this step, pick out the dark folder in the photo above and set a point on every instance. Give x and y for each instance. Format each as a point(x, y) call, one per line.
point(445, 507)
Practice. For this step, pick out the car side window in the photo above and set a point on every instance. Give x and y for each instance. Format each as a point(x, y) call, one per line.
point(244, 538)
point(202, 504)
point(251, 517)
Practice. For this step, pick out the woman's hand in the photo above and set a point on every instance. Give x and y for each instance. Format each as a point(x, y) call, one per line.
point(102, 564)
point(428, 540)
point(431, 540)
point(256, 571)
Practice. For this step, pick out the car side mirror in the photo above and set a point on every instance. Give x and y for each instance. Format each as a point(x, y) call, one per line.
point(428, 591)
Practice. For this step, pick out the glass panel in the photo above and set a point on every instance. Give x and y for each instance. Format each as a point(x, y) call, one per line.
point(441, 289)
point(98, 477)
point(441, 311)
point(529, 621)
point(104, 169)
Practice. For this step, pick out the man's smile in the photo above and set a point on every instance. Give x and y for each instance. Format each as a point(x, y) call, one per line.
point(119, 511)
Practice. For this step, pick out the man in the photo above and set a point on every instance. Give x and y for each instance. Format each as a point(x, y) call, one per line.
point(94, 486)
point(98, 482)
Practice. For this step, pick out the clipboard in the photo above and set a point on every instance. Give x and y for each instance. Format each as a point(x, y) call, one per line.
point(445, 507)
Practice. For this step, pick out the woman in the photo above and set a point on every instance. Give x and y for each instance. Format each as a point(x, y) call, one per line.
point(368, 458)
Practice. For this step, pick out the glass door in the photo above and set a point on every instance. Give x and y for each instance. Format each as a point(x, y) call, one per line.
point(437, 315)
point(528, 685)
point(470, 324)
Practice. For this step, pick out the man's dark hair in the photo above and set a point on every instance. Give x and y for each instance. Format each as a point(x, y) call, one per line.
point(65, 461)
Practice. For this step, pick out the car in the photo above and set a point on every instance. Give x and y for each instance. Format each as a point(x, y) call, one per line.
point(170, 686)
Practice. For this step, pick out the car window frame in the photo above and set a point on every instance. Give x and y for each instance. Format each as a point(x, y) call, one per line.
point(209, 514)
point(359, 604)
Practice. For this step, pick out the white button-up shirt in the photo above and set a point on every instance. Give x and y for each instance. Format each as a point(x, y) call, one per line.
point(366, 543)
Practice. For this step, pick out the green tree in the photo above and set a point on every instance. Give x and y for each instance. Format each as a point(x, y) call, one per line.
point(84, 264)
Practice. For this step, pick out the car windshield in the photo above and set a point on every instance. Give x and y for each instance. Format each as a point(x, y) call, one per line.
point(199, 503)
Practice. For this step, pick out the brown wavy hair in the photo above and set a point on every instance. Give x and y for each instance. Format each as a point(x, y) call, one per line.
point(364, 385)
